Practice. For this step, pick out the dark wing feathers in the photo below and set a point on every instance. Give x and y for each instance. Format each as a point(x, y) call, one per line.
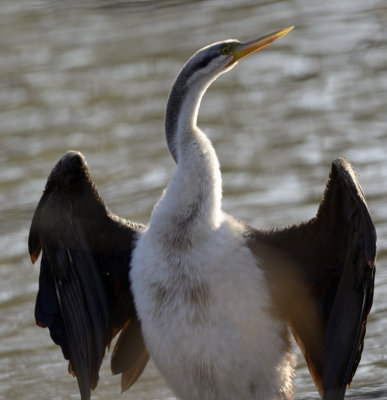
point(129, 355)
point(84, 294)
point(321, 274)
point(347, 322)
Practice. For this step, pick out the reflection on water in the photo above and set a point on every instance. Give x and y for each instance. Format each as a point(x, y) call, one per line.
point(96, 77)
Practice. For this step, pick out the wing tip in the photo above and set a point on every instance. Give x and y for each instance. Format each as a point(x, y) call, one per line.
point(34, 254)
point(344, 165)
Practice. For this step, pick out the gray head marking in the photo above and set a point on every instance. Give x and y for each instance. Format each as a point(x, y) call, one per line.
point(201, 69)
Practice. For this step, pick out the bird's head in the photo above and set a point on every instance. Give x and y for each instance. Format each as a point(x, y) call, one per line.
point(197, 75)
point(219, 57)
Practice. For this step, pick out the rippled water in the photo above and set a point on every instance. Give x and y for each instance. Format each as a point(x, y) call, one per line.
point(95, 75)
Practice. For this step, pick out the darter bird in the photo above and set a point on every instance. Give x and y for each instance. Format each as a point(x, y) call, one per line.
point(211, 299)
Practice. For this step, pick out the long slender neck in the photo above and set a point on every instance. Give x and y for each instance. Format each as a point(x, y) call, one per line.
point(182, 110)
point(193, 196)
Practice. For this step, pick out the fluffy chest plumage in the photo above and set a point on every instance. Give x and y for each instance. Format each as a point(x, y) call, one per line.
point(206, 320)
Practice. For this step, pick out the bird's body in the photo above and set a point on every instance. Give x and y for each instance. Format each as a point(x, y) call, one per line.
point(205, 313)
point(206, 316)
point(214, 298)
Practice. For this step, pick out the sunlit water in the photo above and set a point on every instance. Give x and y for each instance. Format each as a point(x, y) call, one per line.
point(95, 75)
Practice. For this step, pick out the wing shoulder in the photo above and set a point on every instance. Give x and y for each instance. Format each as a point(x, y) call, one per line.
point(322, 274)
point(84, 295)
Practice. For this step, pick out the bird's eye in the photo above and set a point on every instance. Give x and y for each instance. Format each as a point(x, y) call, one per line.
point(225, 50)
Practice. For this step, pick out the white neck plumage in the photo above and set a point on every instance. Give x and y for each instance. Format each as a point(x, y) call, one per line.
point(192, 200)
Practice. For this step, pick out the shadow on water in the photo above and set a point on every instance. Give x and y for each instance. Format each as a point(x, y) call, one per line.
point(124, 5)
point(371, 394)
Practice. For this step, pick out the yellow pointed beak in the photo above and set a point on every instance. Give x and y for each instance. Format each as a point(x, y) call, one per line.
point(244, 49)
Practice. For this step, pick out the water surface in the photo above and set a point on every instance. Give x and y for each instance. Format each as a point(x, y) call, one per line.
point(95, 76)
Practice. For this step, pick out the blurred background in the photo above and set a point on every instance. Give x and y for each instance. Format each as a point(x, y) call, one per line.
point(94, 75)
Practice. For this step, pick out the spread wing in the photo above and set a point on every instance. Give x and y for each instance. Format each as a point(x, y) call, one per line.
point(84, 295)
point(322, 278)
